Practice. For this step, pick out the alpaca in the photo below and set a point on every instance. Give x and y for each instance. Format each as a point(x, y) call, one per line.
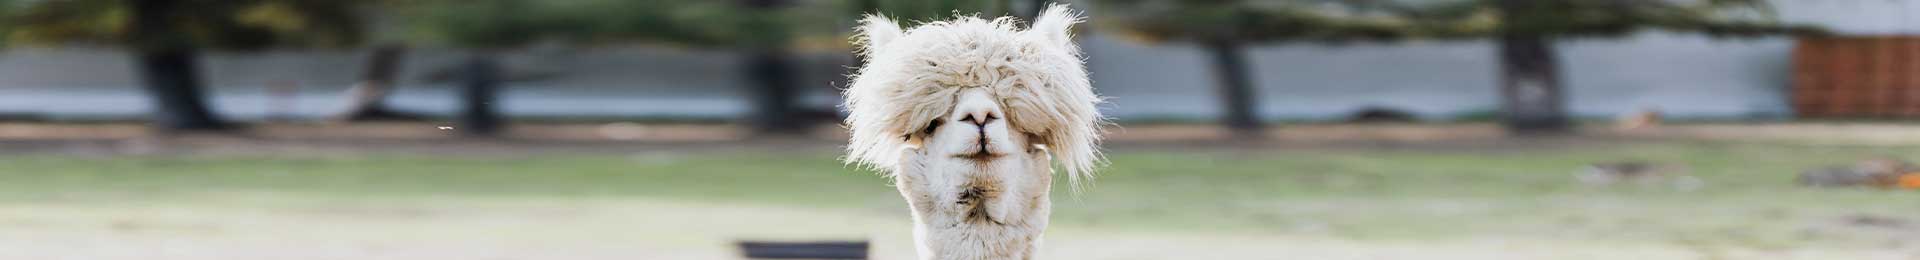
point(967, 116)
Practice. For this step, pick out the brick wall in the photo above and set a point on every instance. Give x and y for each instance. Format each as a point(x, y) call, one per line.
point(1857, 77)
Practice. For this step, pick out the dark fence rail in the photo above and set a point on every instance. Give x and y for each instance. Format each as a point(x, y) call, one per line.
point(804, 250)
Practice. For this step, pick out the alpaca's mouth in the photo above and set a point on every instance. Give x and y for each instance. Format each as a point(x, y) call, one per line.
point(983, 153)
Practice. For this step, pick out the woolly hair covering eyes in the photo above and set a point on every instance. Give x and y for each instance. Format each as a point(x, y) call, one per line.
point(912, 77)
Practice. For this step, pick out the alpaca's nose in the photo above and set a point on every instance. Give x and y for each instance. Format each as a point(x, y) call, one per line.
point(976, 107)
point(980, 118)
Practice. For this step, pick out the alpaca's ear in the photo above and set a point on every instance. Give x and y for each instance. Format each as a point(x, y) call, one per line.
point(1055, 25)
point(877, 31)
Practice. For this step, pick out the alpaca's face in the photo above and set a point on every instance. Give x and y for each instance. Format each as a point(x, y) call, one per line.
point(971, 161)
point(973, 88)
point(977, 129)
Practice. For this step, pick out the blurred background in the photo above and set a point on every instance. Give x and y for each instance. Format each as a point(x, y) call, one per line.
point(673, 129)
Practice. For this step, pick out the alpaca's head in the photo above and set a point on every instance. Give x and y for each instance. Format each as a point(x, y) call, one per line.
point(974, 89)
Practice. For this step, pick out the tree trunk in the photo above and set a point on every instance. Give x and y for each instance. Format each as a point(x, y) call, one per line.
point(481, 78)
point(769, 69)
point(168, 68)
point(1532, 100)
point(1236, 95)
point(773, 91)
point(367, 100)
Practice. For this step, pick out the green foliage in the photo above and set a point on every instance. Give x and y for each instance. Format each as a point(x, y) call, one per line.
point(915, 11)
point(53, 22)
point(691, 23)
point(1333, 20)
point(1602, 17)
point(8, 8)
point(512, 23)
point(686, 22)
point(1321, 20)
point(254, 24)
point(906, 12)
point(478, 23)
point(225, 24)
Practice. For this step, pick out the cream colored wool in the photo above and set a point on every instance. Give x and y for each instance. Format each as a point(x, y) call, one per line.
point(912, 77)
point(967, 116)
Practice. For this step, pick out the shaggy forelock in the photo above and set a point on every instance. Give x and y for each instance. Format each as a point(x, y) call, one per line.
point(913, 76)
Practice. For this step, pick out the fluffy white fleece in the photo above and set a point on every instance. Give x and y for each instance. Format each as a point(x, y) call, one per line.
point(967, 116)
point(913, 77)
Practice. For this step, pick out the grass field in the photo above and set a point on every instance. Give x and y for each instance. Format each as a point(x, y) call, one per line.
point(1158, 203)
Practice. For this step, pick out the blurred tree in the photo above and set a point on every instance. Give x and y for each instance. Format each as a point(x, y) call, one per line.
point(484, 28)
point(9, 10)
point(769, 65)
point(758, 28)
point(366, 100)
point(914, 11)
point(1533, 98)
point(764, 31)
point(918, 11)
point(1531, 92)
point(1225, 27)
point(167, 35)
point(1027, 10)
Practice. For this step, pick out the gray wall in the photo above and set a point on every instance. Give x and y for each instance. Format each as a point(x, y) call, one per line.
point(1682, 75)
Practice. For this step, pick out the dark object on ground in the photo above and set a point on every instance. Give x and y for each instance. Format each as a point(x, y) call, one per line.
point(1862, 220)
point(1381, 115)
point(1616, 171)
point(1834, 176)
point(1877, 172)
point(804, 250)
point(1638, 172)
point(382, 115)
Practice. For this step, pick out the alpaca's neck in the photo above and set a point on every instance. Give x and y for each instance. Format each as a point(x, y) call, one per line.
point(971, 235)
point(963, 212)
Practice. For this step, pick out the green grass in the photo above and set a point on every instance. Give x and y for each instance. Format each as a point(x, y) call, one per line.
point(1350, 193)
